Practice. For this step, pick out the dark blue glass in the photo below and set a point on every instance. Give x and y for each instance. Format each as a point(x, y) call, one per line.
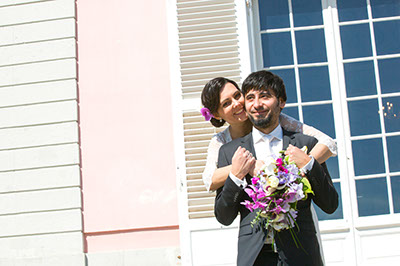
point(395, 182)
point(385, 8)
point(350, 10)
point(338, 214)
point(368, 157)
point(356, 41)
point(290, 83)
point(387, 37)
point(277, 49)
point(314, 84)
point(306, 13)
point(273, 14)
point(292, 111)
point(310, 45)
point(391, 114)
point(333, 167)
point(321, 117)
point(393, 146)
point(372, 197)
point(360, 78)
point(389, 75)
point(364, 117)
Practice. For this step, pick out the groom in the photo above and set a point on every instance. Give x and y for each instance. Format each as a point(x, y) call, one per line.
point(265, 97)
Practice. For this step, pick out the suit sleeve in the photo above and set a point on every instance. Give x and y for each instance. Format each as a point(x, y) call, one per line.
point(325, 194)
point(228, 197)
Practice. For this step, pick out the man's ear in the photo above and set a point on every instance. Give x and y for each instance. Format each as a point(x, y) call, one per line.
point(282, 103)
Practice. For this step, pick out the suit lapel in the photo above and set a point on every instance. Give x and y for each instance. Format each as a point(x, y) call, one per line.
point(288, 139)
point(247, 143)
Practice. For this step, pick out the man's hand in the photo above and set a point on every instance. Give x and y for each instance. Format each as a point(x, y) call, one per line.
point(299, 157)
point(242, 163)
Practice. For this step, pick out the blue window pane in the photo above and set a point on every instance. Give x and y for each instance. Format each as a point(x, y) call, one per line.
point(387, 37)
point(368, 157)
point(290, 83)
point(360, 78)
point(352, 10)
point(292, 111)
point(338, 214)
point(314, 84)
point(306, 13)
point(395, 181)
point(391, 113)
point(356, 41)
point(333, 167)
point(393, 145)
point(385, 8)
point(310, 46)
point(372, 197)
point(321, 117)
point(389, 75)
point(277, 49)
point(364, 117)
point(273, 14)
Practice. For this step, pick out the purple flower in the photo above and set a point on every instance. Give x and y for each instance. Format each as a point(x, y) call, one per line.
point(206, 113)
point(248, 204)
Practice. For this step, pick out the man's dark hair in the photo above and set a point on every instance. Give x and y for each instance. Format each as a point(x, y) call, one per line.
point(210, 96)
point(263, 81)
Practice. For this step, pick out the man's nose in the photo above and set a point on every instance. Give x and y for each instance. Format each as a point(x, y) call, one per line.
point(256, 103)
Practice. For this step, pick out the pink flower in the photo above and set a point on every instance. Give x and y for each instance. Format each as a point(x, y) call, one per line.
point(206, 113)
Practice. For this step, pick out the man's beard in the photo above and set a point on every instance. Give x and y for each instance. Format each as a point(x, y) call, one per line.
point(261, 122)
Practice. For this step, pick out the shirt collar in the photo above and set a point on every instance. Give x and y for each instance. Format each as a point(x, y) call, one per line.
point(259, 136)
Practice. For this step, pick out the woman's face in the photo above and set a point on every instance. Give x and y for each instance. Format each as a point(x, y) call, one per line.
point(231, 106)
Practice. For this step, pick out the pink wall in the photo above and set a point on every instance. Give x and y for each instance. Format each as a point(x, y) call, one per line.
point(128, 168)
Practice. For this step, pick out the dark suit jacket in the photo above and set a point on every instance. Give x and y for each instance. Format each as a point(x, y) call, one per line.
point(251, 239)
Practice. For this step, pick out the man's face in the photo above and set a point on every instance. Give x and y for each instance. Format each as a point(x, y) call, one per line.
point(263, 109)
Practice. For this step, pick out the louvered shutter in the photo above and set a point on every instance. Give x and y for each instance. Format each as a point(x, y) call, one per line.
point(208, 45)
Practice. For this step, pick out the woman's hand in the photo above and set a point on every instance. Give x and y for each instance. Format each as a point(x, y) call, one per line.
point(299, 157)
point(243, 162)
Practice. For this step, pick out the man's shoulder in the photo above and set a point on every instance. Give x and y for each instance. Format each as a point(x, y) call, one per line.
point(301, 138)
point(236, 142)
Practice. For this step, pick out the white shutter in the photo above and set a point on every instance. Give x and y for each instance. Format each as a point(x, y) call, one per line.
point(208, 46)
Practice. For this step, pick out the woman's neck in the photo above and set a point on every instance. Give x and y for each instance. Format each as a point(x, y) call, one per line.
point(241, 129)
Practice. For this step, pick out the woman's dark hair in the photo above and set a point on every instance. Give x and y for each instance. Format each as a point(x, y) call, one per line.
point(210, 97)
point(263, 81)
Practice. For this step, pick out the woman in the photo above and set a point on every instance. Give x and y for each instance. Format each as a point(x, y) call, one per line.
point(224, 102)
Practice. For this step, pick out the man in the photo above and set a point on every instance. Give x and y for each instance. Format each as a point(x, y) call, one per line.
point(265, 97)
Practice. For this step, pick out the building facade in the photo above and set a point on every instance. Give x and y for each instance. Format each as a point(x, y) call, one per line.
point(102, 144)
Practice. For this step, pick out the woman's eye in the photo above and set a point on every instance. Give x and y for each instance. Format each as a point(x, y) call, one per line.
point(226, 104)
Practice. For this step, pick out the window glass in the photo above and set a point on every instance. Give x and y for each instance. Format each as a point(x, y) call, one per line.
point(314, 83)
point(310, 45)
point(364, 117)
point(356, 41)
point(277, 49)
point(360, 78)
point(389, 70)
point(368, 157)
point(338, 214)
point(395, 181)
point(306, 13)
point(393, 145)
point(352, 10)
point(333, 167)
point(385, 8)
point(292, 111)
point(273, 14)
point(321, 117)
point(387, 37)
point(290, 83)
point(372, 197)
point(391, 113)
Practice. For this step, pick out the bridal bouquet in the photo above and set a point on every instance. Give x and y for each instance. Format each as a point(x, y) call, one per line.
point(275, 191)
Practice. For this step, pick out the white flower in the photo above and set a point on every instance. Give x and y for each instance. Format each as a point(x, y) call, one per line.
point(269, 166)
point(273, 182)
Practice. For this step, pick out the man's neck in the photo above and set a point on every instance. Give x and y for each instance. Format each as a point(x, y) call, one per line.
point(269, 129)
